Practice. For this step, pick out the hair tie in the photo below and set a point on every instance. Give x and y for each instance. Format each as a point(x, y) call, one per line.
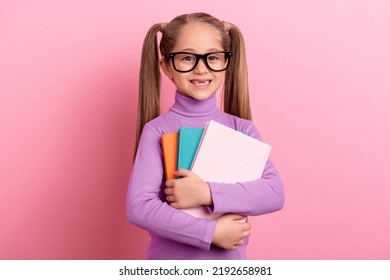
point(162, 26)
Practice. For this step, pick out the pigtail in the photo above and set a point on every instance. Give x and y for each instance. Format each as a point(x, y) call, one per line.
point(149, 82)
point(236, 89)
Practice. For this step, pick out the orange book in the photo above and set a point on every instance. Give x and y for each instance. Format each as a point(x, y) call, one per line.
point(169, 150)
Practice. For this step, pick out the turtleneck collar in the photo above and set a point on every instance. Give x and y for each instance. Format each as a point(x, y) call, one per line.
point(188, 106)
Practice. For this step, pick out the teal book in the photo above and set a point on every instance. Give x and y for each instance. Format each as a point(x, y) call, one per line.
point(188, 142)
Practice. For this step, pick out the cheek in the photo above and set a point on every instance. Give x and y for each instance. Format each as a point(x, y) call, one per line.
point(221, 77)
point(180, 78)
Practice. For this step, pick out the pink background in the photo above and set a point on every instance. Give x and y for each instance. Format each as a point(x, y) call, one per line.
point(320, 87)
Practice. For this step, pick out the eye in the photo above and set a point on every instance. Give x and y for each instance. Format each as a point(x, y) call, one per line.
point(187, 58)
point(213, 57)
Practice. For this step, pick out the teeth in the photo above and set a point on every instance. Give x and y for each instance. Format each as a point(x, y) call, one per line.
point(200, 83)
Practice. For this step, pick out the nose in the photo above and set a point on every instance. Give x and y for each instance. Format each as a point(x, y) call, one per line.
point(201, 67)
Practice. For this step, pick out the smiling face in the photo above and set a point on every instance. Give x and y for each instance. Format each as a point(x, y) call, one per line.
point(201, 82)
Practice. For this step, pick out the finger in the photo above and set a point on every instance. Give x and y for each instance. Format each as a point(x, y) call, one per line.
point(182, 172)
point(246, 226)
point(246, 233)
point(168, 191)
point(240, 242)
point(239, 217)
point(169, 183)
point(235, 217)
point(174, 205)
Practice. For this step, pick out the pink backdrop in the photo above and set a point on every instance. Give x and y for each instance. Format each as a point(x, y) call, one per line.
point(319, 81)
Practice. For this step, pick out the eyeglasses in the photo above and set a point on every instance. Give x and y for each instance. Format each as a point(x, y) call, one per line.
point(186, 62)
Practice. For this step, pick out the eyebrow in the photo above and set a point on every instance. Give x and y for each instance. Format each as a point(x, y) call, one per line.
point(209, 50)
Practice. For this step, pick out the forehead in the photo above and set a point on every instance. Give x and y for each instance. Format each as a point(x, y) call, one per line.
point(198, 37)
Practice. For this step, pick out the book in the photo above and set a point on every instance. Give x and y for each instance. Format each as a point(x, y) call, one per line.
point(225, 155)
point(189, 138)
point(229, 156)
point(169, 149)
point(178, 150)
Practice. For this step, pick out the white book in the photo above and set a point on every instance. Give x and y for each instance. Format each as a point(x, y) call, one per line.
point(225, 155)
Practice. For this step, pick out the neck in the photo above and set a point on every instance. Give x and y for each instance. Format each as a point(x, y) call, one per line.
point(188, 106)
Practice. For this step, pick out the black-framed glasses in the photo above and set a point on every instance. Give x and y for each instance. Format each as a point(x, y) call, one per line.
point(186, 61)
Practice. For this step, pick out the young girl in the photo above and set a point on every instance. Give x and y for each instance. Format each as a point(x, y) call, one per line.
point(199, 53)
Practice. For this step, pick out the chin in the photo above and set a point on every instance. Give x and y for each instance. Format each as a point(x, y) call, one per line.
point(200, 95)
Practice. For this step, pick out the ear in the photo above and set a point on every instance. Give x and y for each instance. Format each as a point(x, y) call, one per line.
point(166, 67)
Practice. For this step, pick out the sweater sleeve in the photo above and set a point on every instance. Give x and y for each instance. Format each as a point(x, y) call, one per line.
point(145, 206)
point(261, 196)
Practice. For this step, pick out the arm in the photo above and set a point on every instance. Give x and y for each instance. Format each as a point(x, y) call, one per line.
point(145, 205)
point(252, 198)
point(261, 196)
point(257, 197)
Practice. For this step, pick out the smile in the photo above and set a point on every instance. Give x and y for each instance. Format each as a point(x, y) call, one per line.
point(200, 82)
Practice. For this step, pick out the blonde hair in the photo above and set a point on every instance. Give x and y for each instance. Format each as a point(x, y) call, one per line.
point(236, 91)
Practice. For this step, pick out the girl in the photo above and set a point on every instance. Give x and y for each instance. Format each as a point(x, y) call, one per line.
point(199, 54)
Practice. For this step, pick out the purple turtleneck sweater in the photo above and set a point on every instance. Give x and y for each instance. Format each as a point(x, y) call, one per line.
point(176, 234)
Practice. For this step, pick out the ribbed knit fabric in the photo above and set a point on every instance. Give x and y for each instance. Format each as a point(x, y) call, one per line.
point(175, 234)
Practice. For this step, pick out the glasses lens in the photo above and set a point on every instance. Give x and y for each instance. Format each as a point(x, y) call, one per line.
point(184, 61)
point(217, 61)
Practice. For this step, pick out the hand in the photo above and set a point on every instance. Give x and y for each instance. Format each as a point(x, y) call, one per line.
point(188, 191)
point(230, 231)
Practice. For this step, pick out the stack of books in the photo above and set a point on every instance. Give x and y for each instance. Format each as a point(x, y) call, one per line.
point(216, 153)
